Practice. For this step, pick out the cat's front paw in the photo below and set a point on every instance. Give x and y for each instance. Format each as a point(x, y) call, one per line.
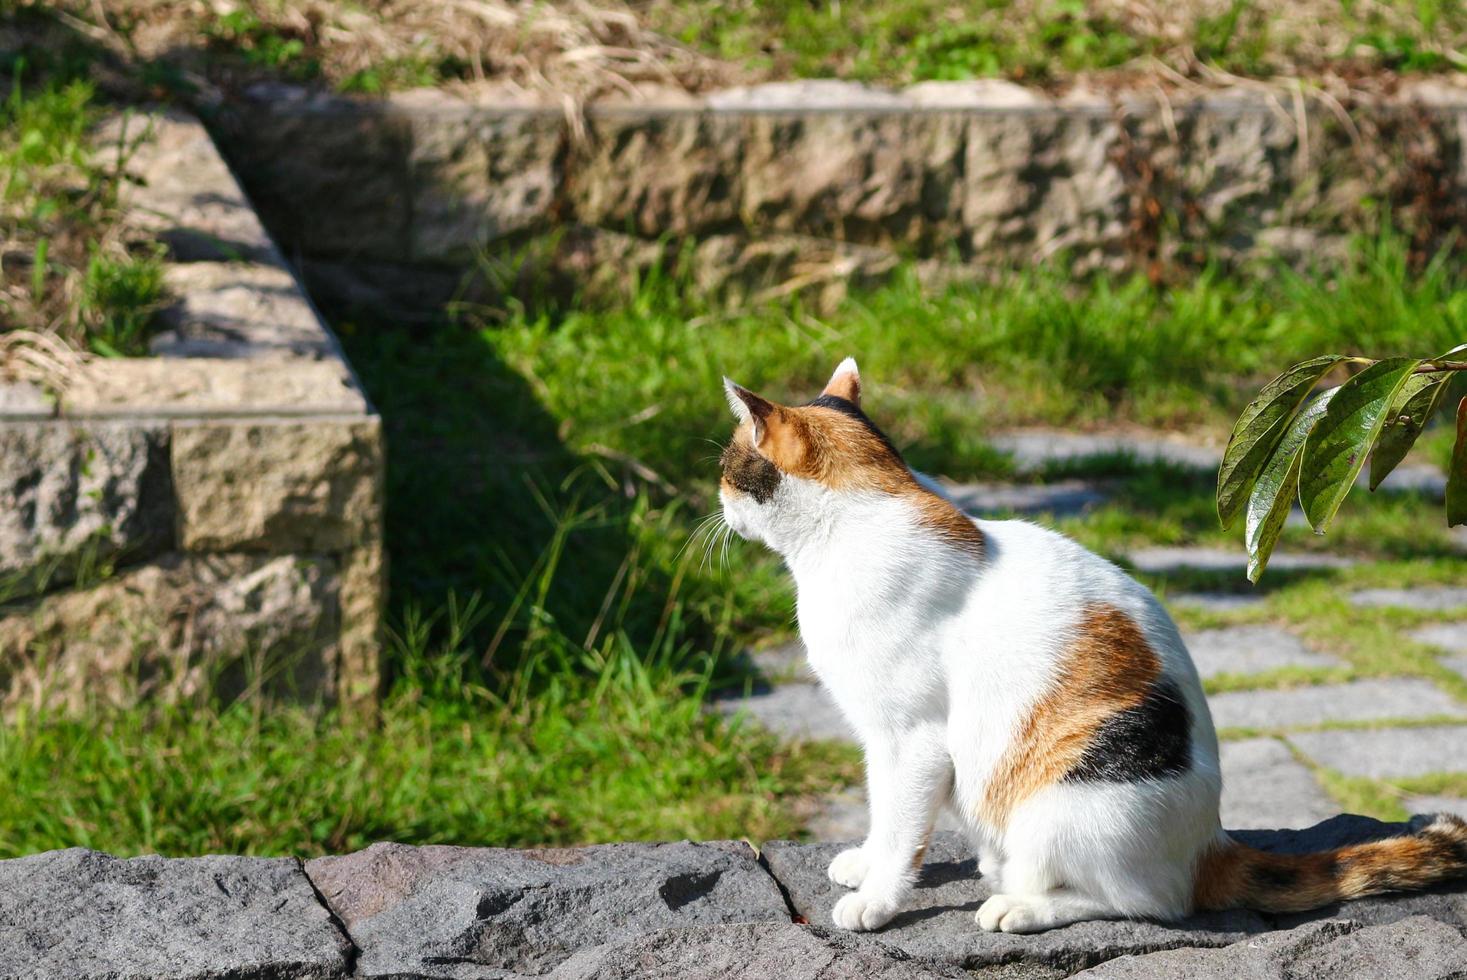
point(862, 913)
point(849, 867)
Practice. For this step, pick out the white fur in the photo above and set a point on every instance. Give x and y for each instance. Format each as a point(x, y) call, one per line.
point(935, 658)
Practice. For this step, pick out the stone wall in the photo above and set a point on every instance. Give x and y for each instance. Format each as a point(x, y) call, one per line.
point(813, 182)
point(715, 910)
point(208, 518)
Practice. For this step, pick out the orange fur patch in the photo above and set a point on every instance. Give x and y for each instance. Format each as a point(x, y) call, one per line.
point(830, 447)
point(1108, 667)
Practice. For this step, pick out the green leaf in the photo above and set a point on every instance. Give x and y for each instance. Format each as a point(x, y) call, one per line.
point(1336, 449)
point(1277, 487)
point(1412, 408)
point(1258, 431)
point(1457, 477)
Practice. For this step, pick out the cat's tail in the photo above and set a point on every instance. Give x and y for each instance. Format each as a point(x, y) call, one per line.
point(1231, 875)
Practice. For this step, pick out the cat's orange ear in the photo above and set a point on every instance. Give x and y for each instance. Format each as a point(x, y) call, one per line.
point(747, 406)
point(845, 382)
point(777, 433)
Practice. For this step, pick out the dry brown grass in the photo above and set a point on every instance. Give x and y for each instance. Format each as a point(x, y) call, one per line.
point(576, 50)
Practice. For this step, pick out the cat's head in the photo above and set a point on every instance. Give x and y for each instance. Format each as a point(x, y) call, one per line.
point(790, 471)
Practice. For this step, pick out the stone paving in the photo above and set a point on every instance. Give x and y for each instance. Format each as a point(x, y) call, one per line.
point(1281, 733)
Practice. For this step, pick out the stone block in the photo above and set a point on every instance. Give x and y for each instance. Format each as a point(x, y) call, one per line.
point(441, 912)
point(1446, 636)
point(278, 485)
point(1368, 700)
point(194, 387)
point(73, 493)
point(178, 628)
point(83, 915)
point(475, 178)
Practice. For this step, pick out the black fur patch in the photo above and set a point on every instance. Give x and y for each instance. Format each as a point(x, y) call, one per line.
point(1150, 741)
point(749, 472)
point(852, 410)
point(1275, 877)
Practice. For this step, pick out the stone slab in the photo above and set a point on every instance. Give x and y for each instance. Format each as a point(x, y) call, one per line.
point(83, 915)
point(1061, 499)
point(278, 485)
point(73, 493)
point(22, 400)
point(1427, 598)
point(1448, 636)
point(183, 193)
point(1250, 650)
point(748, 951)
point(796, 711)
point(1036, 449)
point(938, 922)
point(231, 310)
point(1265, 787)
point(1388, 752)
point(450, 912)
point(1437, 804)
point(1416, 948)
point(1160, 560)
point(210, 387)
point(1218, 602)
point(1368, 700)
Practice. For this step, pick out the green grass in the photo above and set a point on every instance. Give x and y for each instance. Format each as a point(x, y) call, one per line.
point(69, 270)
point(615, 747)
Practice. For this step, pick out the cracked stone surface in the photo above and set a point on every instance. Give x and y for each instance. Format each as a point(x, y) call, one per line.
point(1386, 752)
point(451, 912)
point(1251, 650)
point(1265, 787)
point(84, 915)
point(1367, 700)
point(1429, 598)
point(1417, 948)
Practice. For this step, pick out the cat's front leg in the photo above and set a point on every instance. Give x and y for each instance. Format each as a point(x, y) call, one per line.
point(908, 777)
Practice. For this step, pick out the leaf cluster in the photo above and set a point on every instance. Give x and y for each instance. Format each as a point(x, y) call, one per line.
point(1287, 445)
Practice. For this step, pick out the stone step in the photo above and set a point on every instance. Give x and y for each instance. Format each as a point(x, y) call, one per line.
point(1251, 650)
point(1427, 598)
point(1388, 753)
point(1165, 559)
point(1265, 787)
point(1377, 699)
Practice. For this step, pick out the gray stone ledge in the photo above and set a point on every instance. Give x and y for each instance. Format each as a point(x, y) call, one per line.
point(22, 401)
point(198, 387)
point(644, 911)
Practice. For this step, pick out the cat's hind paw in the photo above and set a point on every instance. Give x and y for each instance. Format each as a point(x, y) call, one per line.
point(849, 868)
point(862, 913)
point(1009, 913)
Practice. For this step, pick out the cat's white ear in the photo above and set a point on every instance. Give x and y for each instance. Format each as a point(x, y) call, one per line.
point(845, 382)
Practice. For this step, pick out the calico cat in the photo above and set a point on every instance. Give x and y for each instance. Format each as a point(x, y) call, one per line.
point(1001, 670)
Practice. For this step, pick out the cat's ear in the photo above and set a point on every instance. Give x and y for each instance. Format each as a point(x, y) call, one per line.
point(845, 382)
point(747, 406)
